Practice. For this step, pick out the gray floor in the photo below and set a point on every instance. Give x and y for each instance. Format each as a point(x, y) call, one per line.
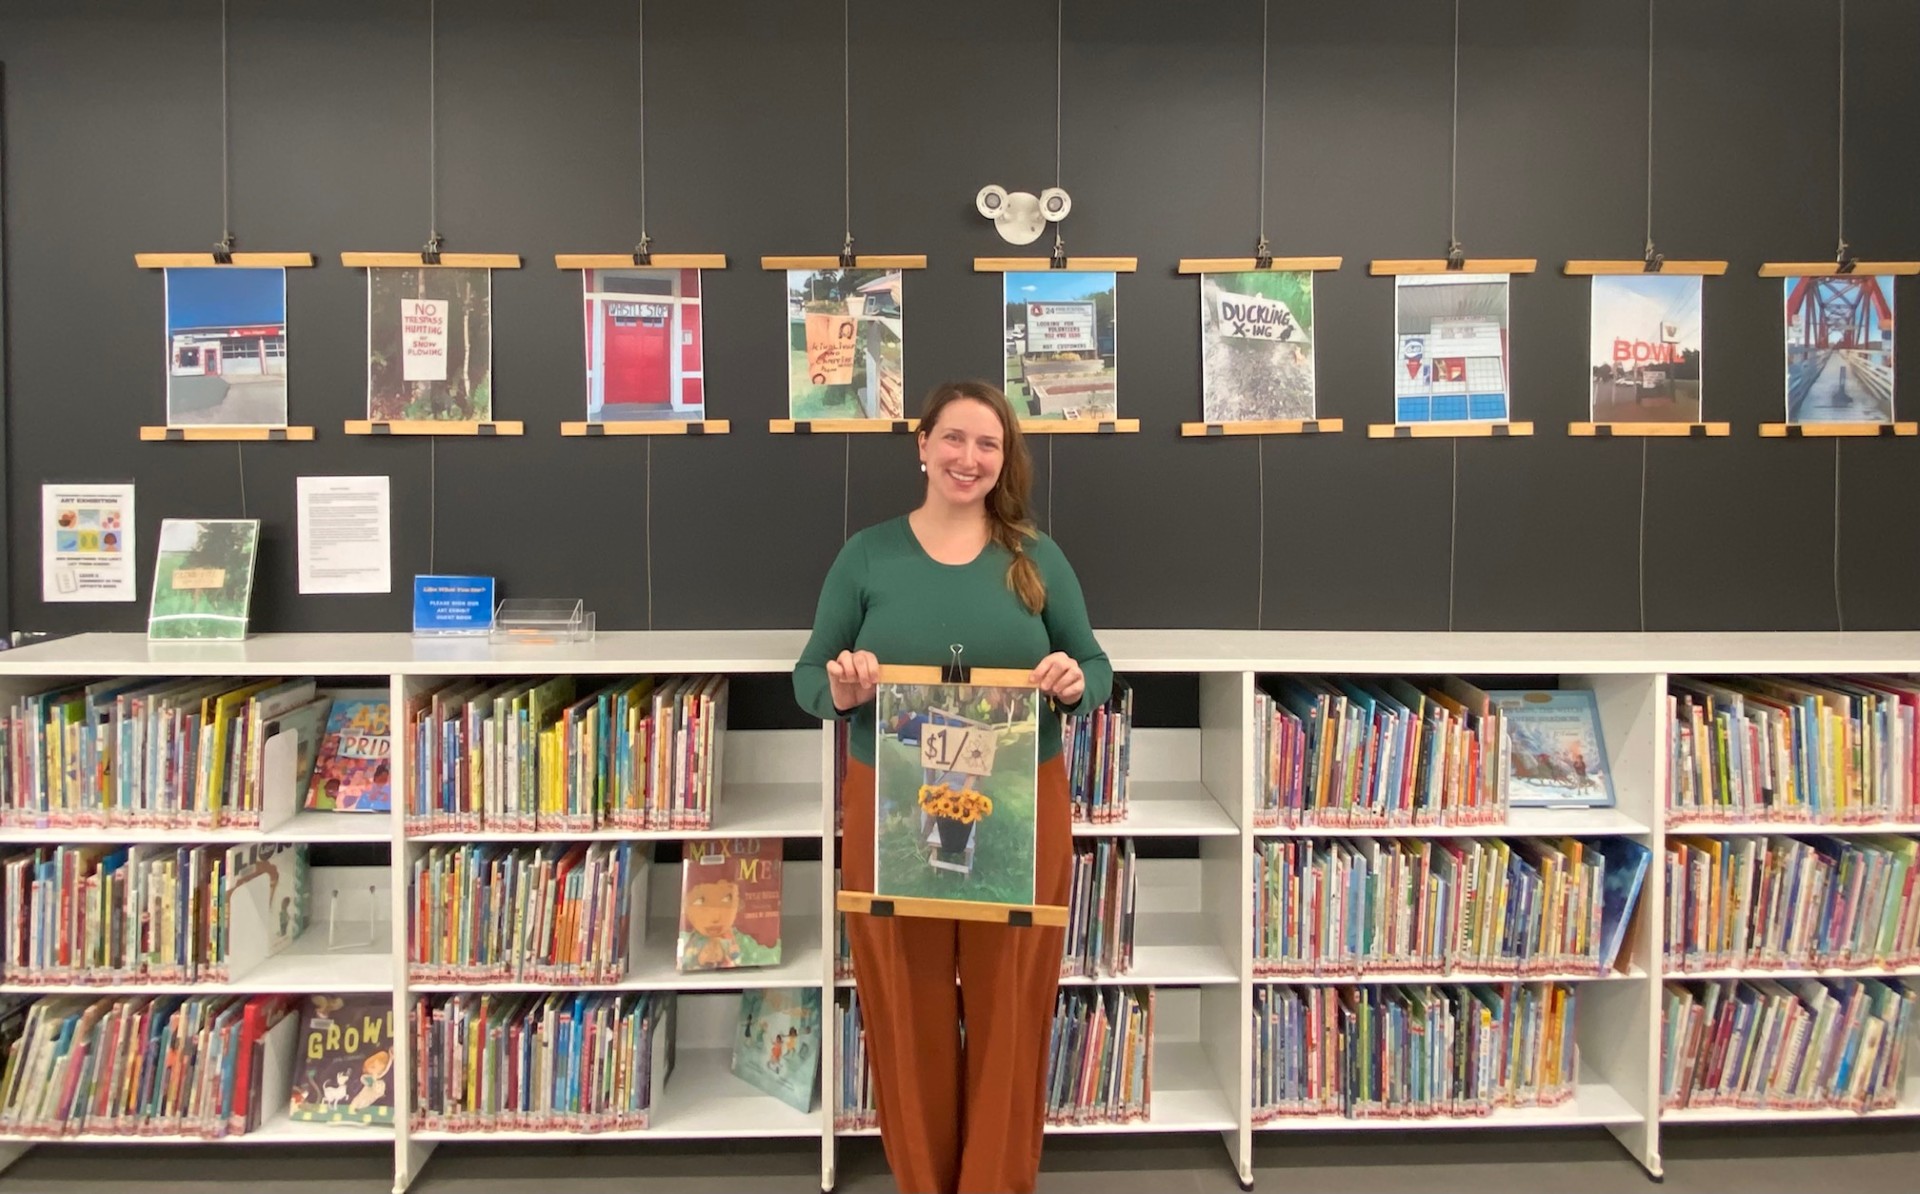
point(1865, 1157)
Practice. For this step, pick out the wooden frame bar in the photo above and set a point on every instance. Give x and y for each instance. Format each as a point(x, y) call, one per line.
point(223, 434)
point(842, 426)
point(1837, 430)
point(240, 260)
point(1079, 426)
point(480, 427)
point(1649, 430)
point(1706, 269)
point(626, 261)
point(1241, 265)
point(1264, 427)
point(1083, 265)
point(648, 427)
point(1831, 269)
point(1387, 267)
point(910, 673)
point(447, 261)
point(1461, 429)
point(860, 261)
point(1010, 914)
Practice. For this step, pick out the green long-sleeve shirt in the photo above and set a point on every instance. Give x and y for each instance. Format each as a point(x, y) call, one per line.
point(886, 595)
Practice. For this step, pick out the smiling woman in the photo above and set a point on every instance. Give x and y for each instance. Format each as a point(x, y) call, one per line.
point(966, 571)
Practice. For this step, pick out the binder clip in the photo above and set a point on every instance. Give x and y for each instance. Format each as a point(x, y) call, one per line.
point(1843, 259)
point(430, 252)
point(1456, 256)
point(334, 943)
point(643, 252)
point(1263, 255)
point(954, 673)
point(223, 251)
point(846, 252)
point(1058, 260)
point(1656, 261)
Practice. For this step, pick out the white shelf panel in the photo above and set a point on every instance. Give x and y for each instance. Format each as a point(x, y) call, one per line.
point(653, 969)
point(1166, 808)
point(701, 1100)
point(306, 965)
point(1186, 1098)
point(1170, 949)
point(1743, 828)
point(1690, 976)
point(1593, 1104)
point(305, 826)
point(1520, 822)
point(278, 1130)
point(1378, 978)
point(745, 810)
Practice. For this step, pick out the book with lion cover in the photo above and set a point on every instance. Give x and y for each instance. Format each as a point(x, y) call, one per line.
point(343, 1072)
point(730, 904)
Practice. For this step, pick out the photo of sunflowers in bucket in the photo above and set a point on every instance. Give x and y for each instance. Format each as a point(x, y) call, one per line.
point(955, 792)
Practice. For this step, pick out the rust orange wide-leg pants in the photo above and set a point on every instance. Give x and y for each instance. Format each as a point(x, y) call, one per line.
point(959, 1121)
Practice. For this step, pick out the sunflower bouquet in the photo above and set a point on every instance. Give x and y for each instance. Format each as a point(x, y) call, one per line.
point(963, 805)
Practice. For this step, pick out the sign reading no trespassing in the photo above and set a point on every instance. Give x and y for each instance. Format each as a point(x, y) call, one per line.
point(423, 339)
point(1061, 327)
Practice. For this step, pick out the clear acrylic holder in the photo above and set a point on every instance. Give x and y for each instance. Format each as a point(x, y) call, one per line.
point(335, 941)
point(541, 621)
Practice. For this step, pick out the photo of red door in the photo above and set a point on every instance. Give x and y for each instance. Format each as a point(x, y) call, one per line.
point(637, 347)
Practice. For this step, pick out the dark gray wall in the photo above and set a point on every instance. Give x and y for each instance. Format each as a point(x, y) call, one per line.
point(113, 138)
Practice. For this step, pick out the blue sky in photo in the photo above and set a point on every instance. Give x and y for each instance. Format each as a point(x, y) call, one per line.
point(1056, 286)
point(225, 297)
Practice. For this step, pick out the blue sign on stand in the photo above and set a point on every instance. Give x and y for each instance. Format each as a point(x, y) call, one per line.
point(452, 604)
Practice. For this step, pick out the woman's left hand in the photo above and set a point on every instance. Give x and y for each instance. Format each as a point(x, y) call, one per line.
point(1059, 676)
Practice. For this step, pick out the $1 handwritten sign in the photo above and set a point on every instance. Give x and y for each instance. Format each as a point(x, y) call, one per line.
point(964, 749)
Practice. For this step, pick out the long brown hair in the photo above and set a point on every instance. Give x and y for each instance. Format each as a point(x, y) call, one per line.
point(1007, 500)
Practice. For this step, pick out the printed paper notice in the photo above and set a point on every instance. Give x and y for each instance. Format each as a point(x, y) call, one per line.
point(86, 543)
point(345, 535)
point(423, 339)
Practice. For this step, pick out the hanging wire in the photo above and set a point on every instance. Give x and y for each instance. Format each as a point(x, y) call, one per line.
point(1453, 191)
point(433, 500)
point(226, 188)
point(1049, 485)
point(1643, 535)
point(1260, 574)
point(846, 488)
point(1839, 610)
point(646, 241)
point(433, 127)
point(240, 455)
point(1262, 249)
point(846, 121)
point(1453, 531)
point(650, 532)
point(1840, 164)
point(1649, 135)
point(1059, 90)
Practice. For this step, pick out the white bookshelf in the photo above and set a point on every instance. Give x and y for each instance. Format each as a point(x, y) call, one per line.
point(1194, 919)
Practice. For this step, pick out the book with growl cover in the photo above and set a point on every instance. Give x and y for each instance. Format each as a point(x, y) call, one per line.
point(352, 773)
point(730, 904)
point(343, 1070)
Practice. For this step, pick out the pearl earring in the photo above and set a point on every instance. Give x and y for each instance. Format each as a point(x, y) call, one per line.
point(923, 468)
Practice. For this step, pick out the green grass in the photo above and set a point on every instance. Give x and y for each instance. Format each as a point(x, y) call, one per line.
point(1003, 858)
point(809, 401)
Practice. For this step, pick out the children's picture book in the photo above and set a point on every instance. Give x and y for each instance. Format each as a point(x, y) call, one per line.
point(203, 578)
point(266, 901)
point(1557, 758)
point(1626, 873)
point(955, 794)
point(730, 904)
point(353, 774)
point(342, 1073)
point(778, 1045)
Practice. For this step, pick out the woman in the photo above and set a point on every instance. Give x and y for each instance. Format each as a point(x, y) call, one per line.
point(965, 567)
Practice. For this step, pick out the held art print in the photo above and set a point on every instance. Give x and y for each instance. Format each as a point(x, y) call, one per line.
point(1256, 346)
point(203, 578)
point(429, 344)
point(1646, 348)
point(954, 812)
point(1060, 345)
point(226, 347)
point(1839, 349)
point(845, 344)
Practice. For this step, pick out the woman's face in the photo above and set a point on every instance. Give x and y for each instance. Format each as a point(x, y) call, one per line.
point(963, 452)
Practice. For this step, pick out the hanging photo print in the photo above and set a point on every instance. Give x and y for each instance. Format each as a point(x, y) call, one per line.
point(955, 790)
point(1060, 344)
point(845, 345)
point(1256, 345)
point(1839, 349)
point(429, 344)
point(226, 347)
point(643, 345)
point(1646, 348)
point(1450, 348)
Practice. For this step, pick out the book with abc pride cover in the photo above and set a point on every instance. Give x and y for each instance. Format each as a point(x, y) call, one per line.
point(353, 774)
point(730, 904)
point(343, 1071)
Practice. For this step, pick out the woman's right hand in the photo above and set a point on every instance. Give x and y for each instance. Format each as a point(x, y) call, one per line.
point(852, 678)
